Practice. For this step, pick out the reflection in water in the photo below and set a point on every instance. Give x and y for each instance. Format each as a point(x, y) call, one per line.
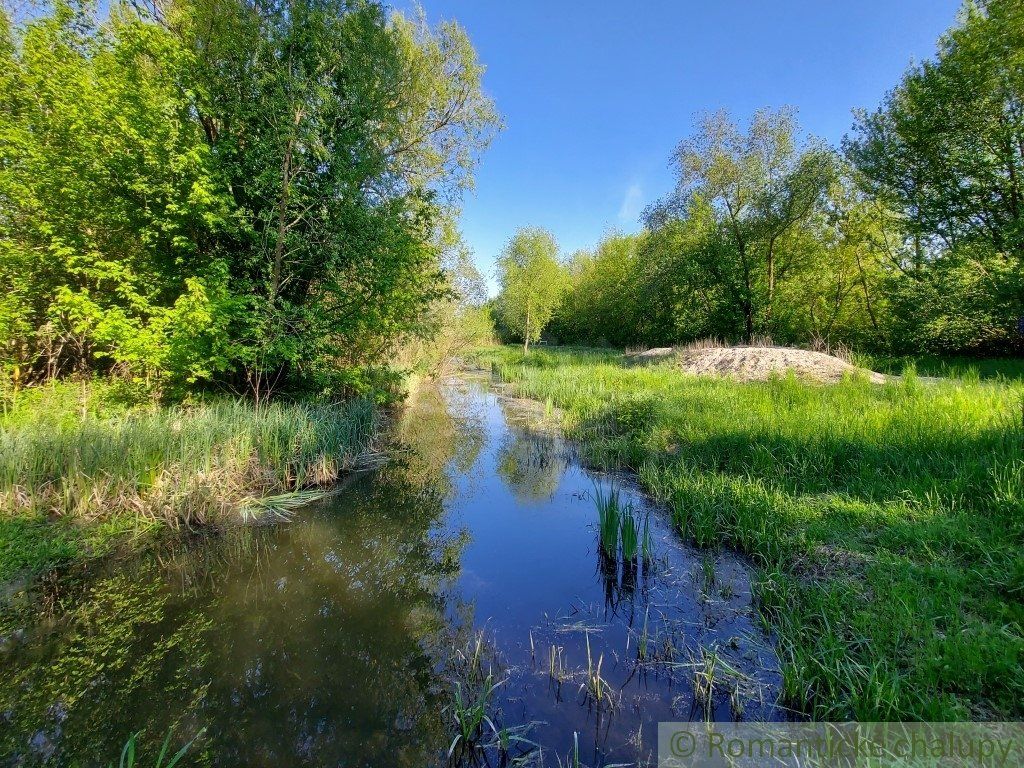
point(531, 465)
point(313, 643)
point(469, 562)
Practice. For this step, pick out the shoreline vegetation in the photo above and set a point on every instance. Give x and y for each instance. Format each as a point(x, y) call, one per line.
point(885, 519)
point(86, 467)
point(201, 199)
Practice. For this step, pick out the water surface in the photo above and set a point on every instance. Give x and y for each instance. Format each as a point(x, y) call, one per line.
point(469, 562)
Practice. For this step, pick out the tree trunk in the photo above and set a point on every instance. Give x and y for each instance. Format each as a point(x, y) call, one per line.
point(526, 331)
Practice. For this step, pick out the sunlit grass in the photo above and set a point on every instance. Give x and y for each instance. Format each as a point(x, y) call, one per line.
point(70, 468)
point(887, 520)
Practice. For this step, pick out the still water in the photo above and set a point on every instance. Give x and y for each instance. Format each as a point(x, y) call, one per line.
point(467, 569)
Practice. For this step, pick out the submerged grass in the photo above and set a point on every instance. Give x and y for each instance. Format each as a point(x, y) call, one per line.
point(887, 520)
point(78, 470)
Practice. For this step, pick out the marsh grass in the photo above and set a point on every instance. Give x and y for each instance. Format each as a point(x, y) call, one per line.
point(478, 736)
point(619, 529)
point(598, 690)
point(887, 521)
point(68, 456)
point(129, 757)
point(609, 516)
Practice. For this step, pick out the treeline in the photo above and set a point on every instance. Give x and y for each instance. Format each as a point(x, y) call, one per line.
point(254, 193)
point(908, 238)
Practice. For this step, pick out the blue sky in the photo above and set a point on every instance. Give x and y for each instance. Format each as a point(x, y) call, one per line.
point(596, 95)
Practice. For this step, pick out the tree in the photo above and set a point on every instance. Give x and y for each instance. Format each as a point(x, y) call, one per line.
point(346, 137)
point(108, 198)
point(256, 193)
point(531, 282)
point(945, 154)
point(600, 300)
point(749, 201)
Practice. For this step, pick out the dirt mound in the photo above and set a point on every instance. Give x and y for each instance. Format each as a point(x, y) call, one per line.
point(754, 363)
point(761, 363)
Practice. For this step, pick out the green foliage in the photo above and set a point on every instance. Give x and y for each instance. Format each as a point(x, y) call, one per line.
point(128, 757)
point(531, 281)
point(106, 192)
point(945, 153)
point(912, 243)
point(765, 235)
point(77, 456)
point(886, 520)
point(255, 195)
point(748, 209)
point(601, 303)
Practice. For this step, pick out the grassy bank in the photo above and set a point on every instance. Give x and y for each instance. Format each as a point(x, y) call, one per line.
point(85, 466)
point(887, 521)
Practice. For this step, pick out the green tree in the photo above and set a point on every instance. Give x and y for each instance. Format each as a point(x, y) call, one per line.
point(531, 282)
point(751, 198)
point(601, 302)
point(346, 137)
point(107, 198)
point(254, 192)
point(945, 154)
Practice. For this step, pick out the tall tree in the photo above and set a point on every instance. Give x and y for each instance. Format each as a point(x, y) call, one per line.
point(945, 153)
point(751, 196)
point(531, 281)
point(600, 302)
point(252, 191)
point(346, 136)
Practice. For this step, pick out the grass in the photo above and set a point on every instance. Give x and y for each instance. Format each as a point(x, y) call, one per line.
point(886, 521)
point(129, 758)
point(83, 466)
point(968, 368)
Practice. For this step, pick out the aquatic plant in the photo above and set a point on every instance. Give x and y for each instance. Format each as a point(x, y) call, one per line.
point(609, 513)
point(129, 757)
point(704, 663)
point(642, 641)
point(182, 465)
point(597, 689)
point(628, 534)
point(470, 716)
point(556, 663)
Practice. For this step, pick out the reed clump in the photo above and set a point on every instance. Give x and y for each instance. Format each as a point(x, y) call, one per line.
point(69, 457)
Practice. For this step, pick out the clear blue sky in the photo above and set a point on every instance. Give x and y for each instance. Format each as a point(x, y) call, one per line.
point(595, 95)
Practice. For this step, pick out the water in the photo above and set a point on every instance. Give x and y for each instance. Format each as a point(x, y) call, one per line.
point(469, 562)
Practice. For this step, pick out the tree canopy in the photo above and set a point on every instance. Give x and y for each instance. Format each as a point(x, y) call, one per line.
point(530, 277)
point(255, 193)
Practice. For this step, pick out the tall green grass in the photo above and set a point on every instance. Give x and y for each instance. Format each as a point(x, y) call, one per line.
point(887, 521)
point(67, 454)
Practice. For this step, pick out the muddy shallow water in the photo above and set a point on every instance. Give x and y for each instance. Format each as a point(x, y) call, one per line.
point(470, 562)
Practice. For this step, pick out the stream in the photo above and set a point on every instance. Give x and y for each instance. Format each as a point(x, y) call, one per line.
point(467, 568)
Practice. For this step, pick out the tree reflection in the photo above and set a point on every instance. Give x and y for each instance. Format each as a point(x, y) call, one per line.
point(315, 643)
point(531, 464)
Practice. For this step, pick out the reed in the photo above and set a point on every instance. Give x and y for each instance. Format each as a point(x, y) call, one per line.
point(629, 534)
point(129, 757)
point(470, 716)
point(597, 689)
point(69, 458)
point(609, 514)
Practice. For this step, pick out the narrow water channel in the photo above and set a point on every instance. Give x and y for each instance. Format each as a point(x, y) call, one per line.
point(471, 562)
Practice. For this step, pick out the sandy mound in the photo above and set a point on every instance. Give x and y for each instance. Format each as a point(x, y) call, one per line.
point(761, 363)
point(756, 363)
